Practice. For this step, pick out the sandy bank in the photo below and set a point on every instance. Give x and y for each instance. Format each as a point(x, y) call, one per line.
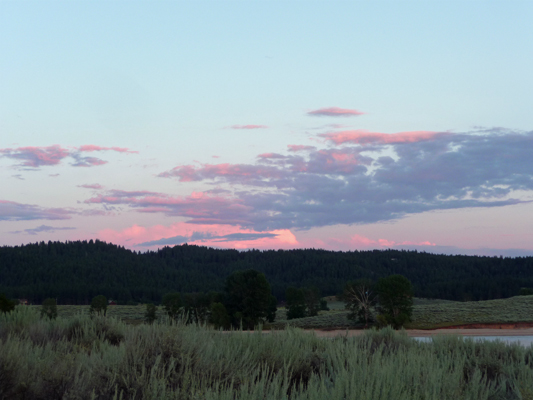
point(527, 331)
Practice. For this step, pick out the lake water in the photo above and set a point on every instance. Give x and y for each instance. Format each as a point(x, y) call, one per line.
point(523, 340)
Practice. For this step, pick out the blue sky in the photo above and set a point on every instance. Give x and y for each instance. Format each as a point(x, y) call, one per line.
point(186, 111)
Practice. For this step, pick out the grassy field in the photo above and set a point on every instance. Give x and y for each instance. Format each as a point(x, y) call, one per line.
point(431, 314)
point(102, 358)
point(427, 314)
point(514, 309)
point(129, 314)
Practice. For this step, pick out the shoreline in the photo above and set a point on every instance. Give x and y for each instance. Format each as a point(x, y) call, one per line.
point(526, 331)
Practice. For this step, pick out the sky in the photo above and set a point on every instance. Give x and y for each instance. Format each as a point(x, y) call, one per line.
point(268, 124)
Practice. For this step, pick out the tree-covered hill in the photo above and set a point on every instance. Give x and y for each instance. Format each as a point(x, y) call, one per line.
point(74, 272)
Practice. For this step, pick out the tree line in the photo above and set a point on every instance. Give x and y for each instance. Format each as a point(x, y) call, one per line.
point(247, 301)
point(76, 272)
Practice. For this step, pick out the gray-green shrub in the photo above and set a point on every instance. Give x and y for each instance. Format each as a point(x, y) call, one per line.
point(102, 358)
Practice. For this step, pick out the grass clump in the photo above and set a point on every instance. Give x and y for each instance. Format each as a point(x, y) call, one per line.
point(83, 357)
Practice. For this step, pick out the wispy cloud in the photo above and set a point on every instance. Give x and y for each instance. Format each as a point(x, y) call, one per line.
point(200, 207)
point(248, 127)
point(299, 147)
point(92, 147)
point(335, 112)
point(203, 236)
point(86, 161)
point(36, 157)
point(188, 173)
point(43, 228)
point(12, 211)
point(96, 186)
point(365, 137)
point(213, 235)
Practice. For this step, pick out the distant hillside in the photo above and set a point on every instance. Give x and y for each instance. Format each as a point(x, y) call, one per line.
point(74, 272)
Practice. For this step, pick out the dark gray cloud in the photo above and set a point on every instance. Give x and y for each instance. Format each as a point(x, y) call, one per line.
point(43, 228)
point(360, 178)
point(203, 236)
point(12, 211)
point(175, 240)
point(233, 237)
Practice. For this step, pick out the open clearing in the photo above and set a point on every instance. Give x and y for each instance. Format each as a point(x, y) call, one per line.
point(428, 314)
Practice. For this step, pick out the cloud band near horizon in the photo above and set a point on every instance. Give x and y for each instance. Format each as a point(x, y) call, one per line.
point(363, 178)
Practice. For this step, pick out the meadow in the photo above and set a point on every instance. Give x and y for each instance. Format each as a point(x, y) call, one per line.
point(80, 357)
point(440, 315)
point(427, 314)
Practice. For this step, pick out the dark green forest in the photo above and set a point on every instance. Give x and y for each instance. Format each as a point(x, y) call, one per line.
point(75, 272)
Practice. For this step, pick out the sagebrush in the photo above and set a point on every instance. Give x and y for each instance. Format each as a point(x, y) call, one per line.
point(102, 358)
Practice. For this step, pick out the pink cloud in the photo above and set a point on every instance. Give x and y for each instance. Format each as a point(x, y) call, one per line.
point(361, 136)
point(364, 243)
point(207, 235)
point(299, 147)
point(277, 168)
point(343, 161)
point(355, 242)
point(92, 147)
point(188, 173)
point(335, 112)
point(88, 162)
point(359, 240)
point(248, 127)
point(199, 207)
point(35, 157)
point(271, 156)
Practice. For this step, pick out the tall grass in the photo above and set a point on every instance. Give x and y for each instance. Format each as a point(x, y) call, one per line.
point(102, 358)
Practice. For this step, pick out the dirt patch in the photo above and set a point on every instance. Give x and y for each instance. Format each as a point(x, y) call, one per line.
point(515, 325)
point(519, 329)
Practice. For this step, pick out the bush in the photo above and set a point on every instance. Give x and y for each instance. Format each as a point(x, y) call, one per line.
point(525, 291)
point(395, 300)
point(193, 362)
point(172, 304)
point(149, 315)
point(6, 305)
point(360, 298)
point(295, 303)
point(99, 305)
point(219, 316)
point(49, 308)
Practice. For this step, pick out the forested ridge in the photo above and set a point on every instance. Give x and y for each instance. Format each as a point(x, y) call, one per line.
point(75, 272)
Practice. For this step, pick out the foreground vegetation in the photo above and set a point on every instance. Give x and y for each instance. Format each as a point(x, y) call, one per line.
point(102, 358)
